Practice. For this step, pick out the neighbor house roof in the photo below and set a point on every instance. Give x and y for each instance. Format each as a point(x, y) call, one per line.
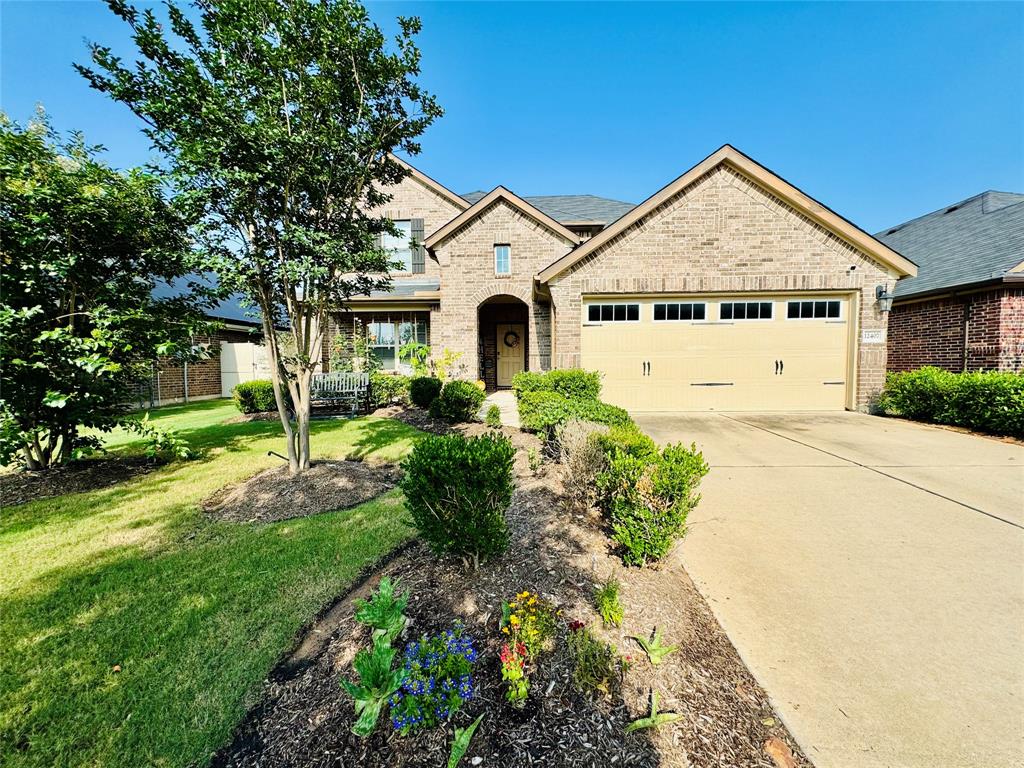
point(977, 240)
point(232, 309)
point(405, 289)
point(484, 203)
point(758, 174)
point(575, 209)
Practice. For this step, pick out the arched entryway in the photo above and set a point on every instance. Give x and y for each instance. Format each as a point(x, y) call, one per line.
point(503, 322)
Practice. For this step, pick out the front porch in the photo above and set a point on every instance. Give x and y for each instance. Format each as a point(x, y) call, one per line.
point(503, 340)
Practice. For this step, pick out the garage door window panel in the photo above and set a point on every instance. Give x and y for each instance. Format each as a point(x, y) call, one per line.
point(745, 310)
point(680, 311)
point(816, 309)
point(613, 313)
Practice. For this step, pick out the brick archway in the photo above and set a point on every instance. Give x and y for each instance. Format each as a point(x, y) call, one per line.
point(496, 288)
point(498, 315)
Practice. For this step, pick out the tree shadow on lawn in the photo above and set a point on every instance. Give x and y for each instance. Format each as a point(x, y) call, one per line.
point(193, 625)
point(304, 718)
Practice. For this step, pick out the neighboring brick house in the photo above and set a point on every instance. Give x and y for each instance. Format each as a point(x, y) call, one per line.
point(728, 289)
point(964, 311)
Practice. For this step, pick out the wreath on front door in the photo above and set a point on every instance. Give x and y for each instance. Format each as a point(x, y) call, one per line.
point(512, 339)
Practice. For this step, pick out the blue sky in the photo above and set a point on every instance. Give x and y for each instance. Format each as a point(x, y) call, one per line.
point(881, 111)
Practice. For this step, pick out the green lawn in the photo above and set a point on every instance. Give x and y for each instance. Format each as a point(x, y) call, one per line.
point(194, 612)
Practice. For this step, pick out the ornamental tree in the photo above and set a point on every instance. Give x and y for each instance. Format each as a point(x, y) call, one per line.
point(278, 120)
point(83, 248)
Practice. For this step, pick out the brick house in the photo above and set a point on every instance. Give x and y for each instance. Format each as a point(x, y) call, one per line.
point(728, 289)
point(964, 311)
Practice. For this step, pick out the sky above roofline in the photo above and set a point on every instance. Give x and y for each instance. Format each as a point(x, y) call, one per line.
point(884, 112)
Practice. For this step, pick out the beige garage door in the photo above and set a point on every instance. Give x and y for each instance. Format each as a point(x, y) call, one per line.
point(735, 353)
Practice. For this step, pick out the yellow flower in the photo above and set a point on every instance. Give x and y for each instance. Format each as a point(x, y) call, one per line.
point(505, 630)
point(513, 620)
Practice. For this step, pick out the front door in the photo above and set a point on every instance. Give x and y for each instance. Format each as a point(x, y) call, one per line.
point(511, 344)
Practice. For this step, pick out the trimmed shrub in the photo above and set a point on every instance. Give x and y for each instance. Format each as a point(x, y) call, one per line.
point(256, 396)
point(459, 401)
point(423, 390)
point(457, 490)
point(543, 410)
point(988, 402)
point(629, 439)
point(582, 457)
point(493, 417)
point(647, 499)
point(574, 383)
point(388, 389)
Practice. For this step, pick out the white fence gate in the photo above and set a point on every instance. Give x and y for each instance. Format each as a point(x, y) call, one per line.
point(241, 361)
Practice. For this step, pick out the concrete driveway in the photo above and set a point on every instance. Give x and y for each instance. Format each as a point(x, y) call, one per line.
point(871, 574)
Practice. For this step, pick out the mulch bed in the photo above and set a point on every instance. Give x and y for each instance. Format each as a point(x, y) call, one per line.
point(274, 494)
point(21, 486)
point(303, 718)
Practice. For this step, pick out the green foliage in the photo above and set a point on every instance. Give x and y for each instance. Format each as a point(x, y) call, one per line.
point(543, 410)
point(988, 402)
point(653, 720)
point(377, 682)
point(647, 499)
point(460, 744)
point(447, 364)
point(388, 389)
point(351, 353)
point(423, 390)
point(159, 443)
point(457, 491)
point(628, 439)
point(654, 648)
point(533, 459)
point(574, 383)
point(595, 663)
point(493, 417)
point(606, 597)
point(459, 401)
point(384, 612)
point(278, 122)
point(256, 396)
point(417, 355)
point(84, 247)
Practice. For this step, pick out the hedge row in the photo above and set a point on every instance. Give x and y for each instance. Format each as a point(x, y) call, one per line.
point(548, 399)
point(987, 402)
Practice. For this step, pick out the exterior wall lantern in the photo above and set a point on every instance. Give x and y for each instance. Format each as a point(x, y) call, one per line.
point(884, 298)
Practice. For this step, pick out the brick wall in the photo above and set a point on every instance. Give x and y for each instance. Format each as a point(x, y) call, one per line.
point(934, 332)
point(725, 234)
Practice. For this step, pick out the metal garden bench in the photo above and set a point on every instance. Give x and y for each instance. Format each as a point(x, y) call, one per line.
point(341, 389)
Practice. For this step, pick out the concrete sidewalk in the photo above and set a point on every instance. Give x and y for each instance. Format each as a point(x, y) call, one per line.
point(871, 574)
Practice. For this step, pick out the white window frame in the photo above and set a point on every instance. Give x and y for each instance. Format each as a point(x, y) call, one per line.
point(679, 320)
point(507, 246)
point(841, 318)
point(746, 319)
point(398, 252)
point(589, 304)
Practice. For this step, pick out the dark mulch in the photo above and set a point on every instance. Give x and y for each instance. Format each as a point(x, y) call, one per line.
point(304, 719)
point(274, 494)
point(21, 486)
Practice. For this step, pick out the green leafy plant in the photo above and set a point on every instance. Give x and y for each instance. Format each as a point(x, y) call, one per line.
point(460, 744)
point(533, 459)
point(256, 396)
point(988, 402)
point(531, 620)
point(423, 390)
point(654, 648)
point(457, 490)
point(377, 682)
point(513, 672)
point(606, 597)
point(653, 720)
point(388, 389)
point(417, 355)
point(594, 662)
point(160, 443)
point(384, 612)
point(574, 383)
point(493, 417)
point(446, 364)
point(459, 401)
point(543, 411)
point(352, 353)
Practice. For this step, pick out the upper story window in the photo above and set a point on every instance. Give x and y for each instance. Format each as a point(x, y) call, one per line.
point(745, 310)
point(400, 245)
point(682, 310)
point(613, 313)
point(814, 310)
point(503, 259)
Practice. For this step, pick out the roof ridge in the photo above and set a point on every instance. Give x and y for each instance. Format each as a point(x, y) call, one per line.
point(944, 209)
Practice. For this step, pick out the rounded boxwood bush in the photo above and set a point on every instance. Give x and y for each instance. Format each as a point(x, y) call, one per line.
point(458, 401)
point(388, 388)
point(256, 396)
point(457, 490)
point(423, 390)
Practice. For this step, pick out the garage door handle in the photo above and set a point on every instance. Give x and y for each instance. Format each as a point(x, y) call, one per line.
point(776, 367)
point(782, 366)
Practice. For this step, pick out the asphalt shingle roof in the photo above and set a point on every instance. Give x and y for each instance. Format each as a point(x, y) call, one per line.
point(972, 241)
point(564, 208)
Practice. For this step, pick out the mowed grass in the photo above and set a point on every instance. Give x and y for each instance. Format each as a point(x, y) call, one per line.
point(193, 612)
